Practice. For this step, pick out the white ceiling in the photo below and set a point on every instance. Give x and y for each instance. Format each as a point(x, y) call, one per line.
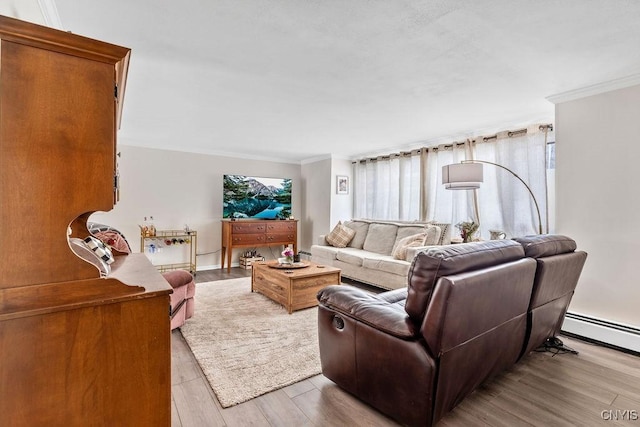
point(294, 80)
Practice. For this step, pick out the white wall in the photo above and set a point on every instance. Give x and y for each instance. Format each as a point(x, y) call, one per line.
point(316, 179)
point(341, 204)
point(597, 201)
point(323, 207)
point(178, 188)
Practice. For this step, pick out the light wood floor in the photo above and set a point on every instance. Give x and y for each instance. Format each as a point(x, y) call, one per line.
point(594, 388)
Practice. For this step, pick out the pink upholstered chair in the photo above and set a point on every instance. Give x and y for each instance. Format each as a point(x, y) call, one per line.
point(182, 303)
point(184, 287)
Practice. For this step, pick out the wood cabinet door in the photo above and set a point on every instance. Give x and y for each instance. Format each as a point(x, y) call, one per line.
point(57, 137)
point(106, 364)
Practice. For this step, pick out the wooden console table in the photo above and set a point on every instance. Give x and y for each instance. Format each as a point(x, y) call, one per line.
point(255, 234)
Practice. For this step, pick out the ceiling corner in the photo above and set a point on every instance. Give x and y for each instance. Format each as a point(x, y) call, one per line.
point(596, 89)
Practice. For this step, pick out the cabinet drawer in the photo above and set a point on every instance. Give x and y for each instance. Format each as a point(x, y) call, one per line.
point(248, 239)
point(248, 228)
point(280, 227)
point(281, 238)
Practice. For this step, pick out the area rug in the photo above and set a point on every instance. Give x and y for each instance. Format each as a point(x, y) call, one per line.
point(246, 344)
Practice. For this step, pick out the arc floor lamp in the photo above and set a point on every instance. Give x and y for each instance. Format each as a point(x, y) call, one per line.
point(467, 175)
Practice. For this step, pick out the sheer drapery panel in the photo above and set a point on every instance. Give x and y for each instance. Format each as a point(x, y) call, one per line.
point(409, 186)
point(504, 202)
point(445, 205)
point(388, 187)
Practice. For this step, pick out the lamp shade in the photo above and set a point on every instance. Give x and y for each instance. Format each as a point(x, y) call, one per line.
point(462, 176)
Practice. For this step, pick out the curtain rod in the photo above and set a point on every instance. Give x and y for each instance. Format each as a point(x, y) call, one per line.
point(510, 134)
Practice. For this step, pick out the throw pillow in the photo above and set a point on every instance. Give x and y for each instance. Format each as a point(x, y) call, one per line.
point(400, 250)
point(445, 232)
point(434, 234)
point(340, 236)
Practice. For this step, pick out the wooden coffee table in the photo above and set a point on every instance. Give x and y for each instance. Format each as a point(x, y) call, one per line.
point(294, 288)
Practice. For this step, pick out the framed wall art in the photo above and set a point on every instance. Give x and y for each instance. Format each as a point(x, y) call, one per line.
point(342, 184)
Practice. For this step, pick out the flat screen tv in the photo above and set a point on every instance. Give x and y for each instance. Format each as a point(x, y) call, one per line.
point(256, 197)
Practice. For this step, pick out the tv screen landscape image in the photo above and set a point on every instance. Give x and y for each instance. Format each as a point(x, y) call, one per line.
point(256, 197)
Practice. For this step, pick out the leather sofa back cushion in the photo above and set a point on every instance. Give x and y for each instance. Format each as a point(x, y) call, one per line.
point(556, 276)
point(380, 238)
point(467, 305)
point(428, 266)
point(546, 245)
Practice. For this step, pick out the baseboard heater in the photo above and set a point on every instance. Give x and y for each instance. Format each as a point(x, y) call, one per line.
point(617, 335)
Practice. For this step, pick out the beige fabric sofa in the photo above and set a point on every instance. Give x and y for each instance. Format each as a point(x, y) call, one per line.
point(368, 256)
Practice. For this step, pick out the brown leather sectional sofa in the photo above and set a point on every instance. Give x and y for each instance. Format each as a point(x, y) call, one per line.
point(469, 312)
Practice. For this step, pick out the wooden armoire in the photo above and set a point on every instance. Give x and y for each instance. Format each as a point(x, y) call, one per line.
point(76, 349)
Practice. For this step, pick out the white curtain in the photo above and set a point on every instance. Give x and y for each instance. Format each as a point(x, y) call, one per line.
point(409, 186)
point(504, 202)
point(443, 205)
point(388, 187)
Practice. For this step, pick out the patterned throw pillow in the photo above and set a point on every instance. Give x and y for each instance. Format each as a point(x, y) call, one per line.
point(100, 249)
point(400, 250)
point(340, 236)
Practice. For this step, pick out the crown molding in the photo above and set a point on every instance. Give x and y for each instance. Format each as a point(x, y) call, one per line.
point(50, 13)
point(596, 89)
point(315, 159)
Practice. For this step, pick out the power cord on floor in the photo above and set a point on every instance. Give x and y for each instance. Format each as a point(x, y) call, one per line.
point(556, 346)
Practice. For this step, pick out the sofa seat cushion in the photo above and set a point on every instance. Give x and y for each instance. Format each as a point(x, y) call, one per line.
point(326, 252)
point(387, 264)
point(380, 238)
point(352, 256)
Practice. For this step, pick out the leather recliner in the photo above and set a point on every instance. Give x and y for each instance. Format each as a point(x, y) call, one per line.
point(415, 353)
point(558, 269)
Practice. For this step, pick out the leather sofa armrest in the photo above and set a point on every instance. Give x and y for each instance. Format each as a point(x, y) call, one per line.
point(369, 309)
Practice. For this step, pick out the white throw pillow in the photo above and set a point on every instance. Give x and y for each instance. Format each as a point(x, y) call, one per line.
point(400, 249)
